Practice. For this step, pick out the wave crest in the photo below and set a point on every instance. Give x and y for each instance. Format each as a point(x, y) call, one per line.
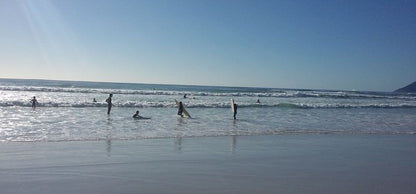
point(169, 104)
point(272, 93)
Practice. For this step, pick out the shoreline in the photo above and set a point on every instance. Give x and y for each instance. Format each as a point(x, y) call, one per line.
point(283, 133)
point(228, 164)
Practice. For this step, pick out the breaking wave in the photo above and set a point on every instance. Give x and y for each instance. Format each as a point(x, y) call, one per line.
point(132, 104)
point(271, 93)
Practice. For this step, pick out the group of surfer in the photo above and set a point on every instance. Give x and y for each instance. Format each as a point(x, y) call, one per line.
point(136, 115)
point(180, 108)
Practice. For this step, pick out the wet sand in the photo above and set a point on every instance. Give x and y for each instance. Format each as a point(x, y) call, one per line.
point(234, 164)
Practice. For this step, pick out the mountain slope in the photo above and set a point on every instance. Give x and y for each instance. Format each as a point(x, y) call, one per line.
point(411, 88)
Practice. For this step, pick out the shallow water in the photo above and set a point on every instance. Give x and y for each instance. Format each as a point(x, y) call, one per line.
point(66, 111)
point(71, 124)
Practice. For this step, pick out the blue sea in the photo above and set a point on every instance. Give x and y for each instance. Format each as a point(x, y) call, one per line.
point(66, 111)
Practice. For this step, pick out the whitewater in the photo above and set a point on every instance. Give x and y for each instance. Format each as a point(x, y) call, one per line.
point(66, 111)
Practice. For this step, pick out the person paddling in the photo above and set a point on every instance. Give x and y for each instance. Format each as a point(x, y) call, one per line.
point(137, 116)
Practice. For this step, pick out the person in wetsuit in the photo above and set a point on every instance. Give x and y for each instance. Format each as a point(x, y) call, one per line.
point(110, 104)
point(235, 110)
point(136, 116)
point(180, 109)
point(34, 102)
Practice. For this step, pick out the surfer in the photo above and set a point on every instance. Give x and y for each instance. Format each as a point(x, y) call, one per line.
point(258, 101)
point(180, 109)
point(137, 116)
point(34, 102)
point(235, 110)
point(184, 96)
point(94, 100)
point(110, 104)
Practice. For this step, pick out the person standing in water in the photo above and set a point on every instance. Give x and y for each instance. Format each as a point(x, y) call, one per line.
point(180, 109)
point(34, 102)
point(110, 104)
point(235, 110)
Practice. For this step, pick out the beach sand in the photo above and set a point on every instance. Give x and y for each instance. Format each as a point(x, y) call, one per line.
point(232, 164)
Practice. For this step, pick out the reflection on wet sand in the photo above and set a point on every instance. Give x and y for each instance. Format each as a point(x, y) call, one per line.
point(108, 142)
point(108, 136)
point(178, 144)
point(181, 121)
point(233, 143)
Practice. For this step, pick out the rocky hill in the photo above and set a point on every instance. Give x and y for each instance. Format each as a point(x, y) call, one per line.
point(411, 88)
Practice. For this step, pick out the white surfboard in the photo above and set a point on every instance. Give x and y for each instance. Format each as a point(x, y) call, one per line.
point(184, 110)
point(232, 105)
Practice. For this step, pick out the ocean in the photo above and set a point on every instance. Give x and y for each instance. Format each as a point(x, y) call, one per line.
point(66, 111)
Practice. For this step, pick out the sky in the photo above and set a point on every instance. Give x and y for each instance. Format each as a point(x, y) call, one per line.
point(304, 44)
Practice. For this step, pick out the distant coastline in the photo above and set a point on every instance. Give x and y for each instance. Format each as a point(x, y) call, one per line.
point(411, 88)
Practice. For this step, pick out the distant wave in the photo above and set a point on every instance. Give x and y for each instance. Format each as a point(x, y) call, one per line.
point(276, 94)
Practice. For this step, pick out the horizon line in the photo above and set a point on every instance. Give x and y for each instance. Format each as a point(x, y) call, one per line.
point(176, 84)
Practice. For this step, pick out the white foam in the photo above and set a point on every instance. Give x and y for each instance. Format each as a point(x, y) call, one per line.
point(69, 113)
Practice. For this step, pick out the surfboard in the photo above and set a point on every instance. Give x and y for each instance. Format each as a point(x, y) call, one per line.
point(140, 117)
point(232, 105)
point(184, 110)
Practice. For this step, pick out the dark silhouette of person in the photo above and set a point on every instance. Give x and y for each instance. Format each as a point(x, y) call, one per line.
point(110, 104)
point(258, 101)
point(184, 96)
point(94, 100)
point(180, 109)
point(235, 110)
point(136, 116)
point(34, 102)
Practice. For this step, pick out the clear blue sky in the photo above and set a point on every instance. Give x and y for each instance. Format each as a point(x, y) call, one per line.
point(333, 44)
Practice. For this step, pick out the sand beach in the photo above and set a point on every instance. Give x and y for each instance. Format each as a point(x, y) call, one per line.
point(230, 164)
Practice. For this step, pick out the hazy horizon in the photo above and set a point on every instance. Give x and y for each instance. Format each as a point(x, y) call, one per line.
point(174, 84)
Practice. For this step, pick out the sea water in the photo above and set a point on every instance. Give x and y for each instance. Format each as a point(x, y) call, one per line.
point(66, 111)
